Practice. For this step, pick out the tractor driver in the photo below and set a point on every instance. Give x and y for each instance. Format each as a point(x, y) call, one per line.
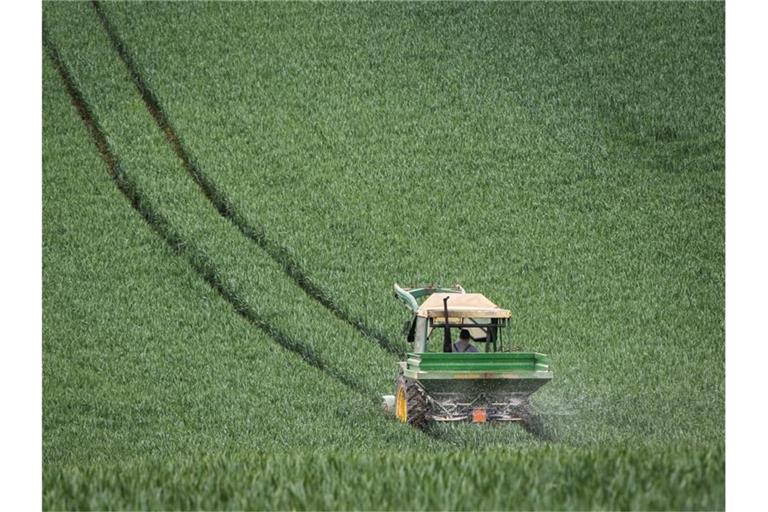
point(465, 342)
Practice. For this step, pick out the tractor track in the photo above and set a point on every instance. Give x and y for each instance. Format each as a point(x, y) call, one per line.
point(157, 222)
point(200, 263)
point(256, 233)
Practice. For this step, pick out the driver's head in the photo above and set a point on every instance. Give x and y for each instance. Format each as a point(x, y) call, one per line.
point(464, 335)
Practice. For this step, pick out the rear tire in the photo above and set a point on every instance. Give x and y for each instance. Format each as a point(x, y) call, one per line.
point(533, 423)
point(410, 402)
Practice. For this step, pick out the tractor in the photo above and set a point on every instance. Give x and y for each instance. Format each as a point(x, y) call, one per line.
point(491, 384)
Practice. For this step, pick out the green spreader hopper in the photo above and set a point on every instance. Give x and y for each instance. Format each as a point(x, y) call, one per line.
point(472, 377)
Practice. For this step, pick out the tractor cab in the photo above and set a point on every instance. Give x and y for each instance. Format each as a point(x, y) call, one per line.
point(443, 312)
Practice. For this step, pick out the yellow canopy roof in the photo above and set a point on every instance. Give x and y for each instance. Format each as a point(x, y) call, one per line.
point(461, 305)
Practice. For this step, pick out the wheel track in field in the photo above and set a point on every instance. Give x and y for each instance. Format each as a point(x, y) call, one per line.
point(199, 262)
point(256, 233)
point(156, 221)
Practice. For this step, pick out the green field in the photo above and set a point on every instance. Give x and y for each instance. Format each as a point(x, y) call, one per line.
point(230, 191)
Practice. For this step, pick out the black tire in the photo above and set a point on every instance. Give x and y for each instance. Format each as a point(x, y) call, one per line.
point(533, 422)
point(415, 402)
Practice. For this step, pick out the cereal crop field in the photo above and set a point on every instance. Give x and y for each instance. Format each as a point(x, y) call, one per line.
point(230, 191)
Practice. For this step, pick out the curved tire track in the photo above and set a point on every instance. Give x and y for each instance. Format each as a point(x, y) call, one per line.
point(162, 227)
point(223, 205)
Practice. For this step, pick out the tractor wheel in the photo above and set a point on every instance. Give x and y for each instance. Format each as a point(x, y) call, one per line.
point(410, 403)
point(533, 423)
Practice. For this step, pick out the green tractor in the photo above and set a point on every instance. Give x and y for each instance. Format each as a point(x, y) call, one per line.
point(460, 382)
